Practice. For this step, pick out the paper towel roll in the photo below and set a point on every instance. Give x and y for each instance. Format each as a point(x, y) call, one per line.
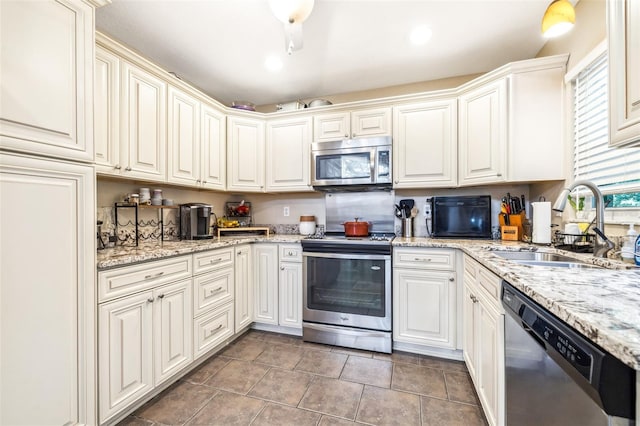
point(541, 213)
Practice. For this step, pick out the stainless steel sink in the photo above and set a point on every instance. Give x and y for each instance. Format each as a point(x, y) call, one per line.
point(535, 258)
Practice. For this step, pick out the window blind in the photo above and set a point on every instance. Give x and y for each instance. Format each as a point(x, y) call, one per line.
point(613, 170)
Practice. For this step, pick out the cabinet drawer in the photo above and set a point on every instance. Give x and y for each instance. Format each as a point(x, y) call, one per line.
point(210, 260)
point(470, 267)
point(211, 290)
point(212, 329)
point(121, 281)
point(424, 259)
point(290, 252)
point(490, 283)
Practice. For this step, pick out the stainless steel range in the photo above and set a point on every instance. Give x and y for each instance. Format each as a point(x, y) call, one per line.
point(347, 281)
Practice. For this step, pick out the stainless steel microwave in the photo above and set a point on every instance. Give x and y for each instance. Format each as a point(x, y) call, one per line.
point(362, 161)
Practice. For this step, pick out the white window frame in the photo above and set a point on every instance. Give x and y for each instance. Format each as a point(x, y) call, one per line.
point(618, 215)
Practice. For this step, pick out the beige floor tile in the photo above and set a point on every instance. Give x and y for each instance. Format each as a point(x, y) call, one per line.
point(246, 349)
point(334, 397)
point(388, 407)
point(316, 346)
point(321, 362)
point(403, 357)
point(228, 409)
point(416, 379)
point(283, 339)
point(356, 352)
point(255, 334)
point(134, 421)
point(206, 370)
point(443, 364)
point(283, 386)
point(374, 372)
point(238, 376)
point(460, 387)
point(437, 412)
point(176, 405)
point(281, 356)
point(335, 421)
point(279, 415)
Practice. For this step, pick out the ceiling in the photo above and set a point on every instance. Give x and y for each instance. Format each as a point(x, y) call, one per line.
point(220, 46)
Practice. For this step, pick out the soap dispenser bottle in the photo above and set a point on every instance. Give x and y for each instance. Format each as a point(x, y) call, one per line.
point(629, 247)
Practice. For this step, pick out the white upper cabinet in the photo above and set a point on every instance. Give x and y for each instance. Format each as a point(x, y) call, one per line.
point(501, 138)
point(288, 154)
point(106, 112)
point(624, 72)
point(483, 134)
point(245, 154)
point(46, 89)
point(183, 132)
point(143, 124)
point(357, 123)
point(213, 149)
point(425, 144)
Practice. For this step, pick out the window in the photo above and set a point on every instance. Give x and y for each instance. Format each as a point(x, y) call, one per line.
point(615, 171)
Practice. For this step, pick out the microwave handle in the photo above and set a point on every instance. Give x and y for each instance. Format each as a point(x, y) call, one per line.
point(373, 164)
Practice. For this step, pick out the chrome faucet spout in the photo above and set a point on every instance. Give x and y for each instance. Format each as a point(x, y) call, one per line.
point(600, 244)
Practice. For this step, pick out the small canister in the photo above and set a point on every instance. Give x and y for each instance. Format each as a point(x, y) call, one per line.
point(307, 225)
point(407, 227)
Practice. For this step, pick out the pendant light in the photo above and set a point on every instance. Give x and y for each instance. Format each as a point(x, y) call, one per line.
point(292, 13)
point(558, 18)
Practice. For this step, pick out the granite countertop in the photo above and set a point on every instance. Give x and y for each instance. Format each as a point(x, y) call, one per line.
point(602, 304)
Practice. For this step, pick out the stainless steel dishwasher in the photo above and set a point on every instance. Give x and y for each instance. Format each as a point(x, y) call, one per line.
point(555, 376)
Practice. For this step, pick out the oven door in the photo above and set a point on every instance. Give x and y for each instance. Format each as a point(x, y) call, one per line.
point(347, 289)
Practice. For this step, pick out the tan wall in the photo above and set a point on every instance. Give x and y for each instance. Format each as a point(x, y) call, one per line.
point(403, 89)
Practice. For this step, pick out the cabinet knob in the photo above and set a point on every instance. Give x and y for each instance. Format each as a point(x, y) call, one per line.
point(473, 298)
point(161, 296)
point(204, 181)
point(197, 180)
point(353, 135)
point(150, 300)
point(127, 169)
point(282, 268)
point(117, 167)
point(452, 279)
point(290, 253)
point(346, 135)
point(498, 174)
point(395, 181)
point(239, 253)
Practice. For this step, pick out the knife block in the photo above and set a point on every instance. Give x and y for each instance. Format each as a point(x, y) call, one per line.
point(515, 221)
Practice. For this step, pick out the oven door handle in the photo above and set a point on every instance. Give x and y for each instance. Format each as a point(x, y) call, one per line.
point(348, 256)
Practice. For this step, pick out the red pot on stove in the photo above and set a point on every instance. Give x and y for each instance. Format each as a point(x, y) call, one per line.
point(356, 229)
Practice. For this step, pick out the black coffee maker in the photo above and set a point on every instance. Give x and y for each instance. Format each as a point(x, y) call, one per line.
point(195, 221)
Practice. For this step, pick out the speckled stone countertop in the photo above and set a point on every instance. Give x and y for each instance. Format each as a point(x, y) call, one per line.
point(602, 304)
point(123, 256)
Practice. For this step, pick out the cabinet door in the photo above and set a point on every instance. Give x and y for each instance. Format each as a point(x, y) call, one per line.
point(106, 109)
point(371, 122)
point(46, 89)
point(244, 288)
point(125, 352)
point(490, 362)
point(331, 127)
point(483, 134)
point(624, 72)
point(290, 283)
point(265, 279)
point(245, 153)
point(144, 124)
point(47, 292)
point(183, 144)
point(425, 141)
point(172, 324)
point(424, 307)
point(213, 148)
point(288, 154)
point(469, 314)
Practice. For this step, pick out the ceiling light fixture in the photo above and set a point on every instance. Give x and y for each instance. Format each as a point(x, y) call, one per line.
point(292, 13)
point(558, 18)
point(420, 35)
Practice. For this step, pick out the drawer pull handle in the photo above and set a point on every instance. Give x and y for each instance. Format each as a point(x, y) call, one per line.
point(212, 332)
point(420, 259)
point(148, 277)
point(290, 253)
point(216, 290)
point(212, 261)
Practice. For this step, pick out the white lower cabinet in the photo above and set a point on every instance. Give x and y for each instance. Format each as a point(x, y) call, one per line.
point(244, 288)
point(424, 298)
point(278, 284)
point(484, 339)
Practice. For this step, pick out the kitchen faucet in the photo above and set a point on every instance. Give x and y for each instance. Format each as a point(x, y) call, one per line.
point(602, 245)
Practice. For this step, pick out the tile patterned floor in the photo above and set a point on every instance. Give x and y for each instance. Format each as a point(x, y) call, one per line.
point(272, 379)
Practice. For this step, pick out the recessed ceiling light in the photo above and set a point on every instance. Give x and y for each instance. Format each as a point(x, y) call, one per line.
point(273, 63)
point(420, 35)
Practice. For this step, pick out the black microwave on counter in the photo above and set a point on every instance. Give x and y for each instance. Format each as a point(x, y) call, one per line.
point(461, 217)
